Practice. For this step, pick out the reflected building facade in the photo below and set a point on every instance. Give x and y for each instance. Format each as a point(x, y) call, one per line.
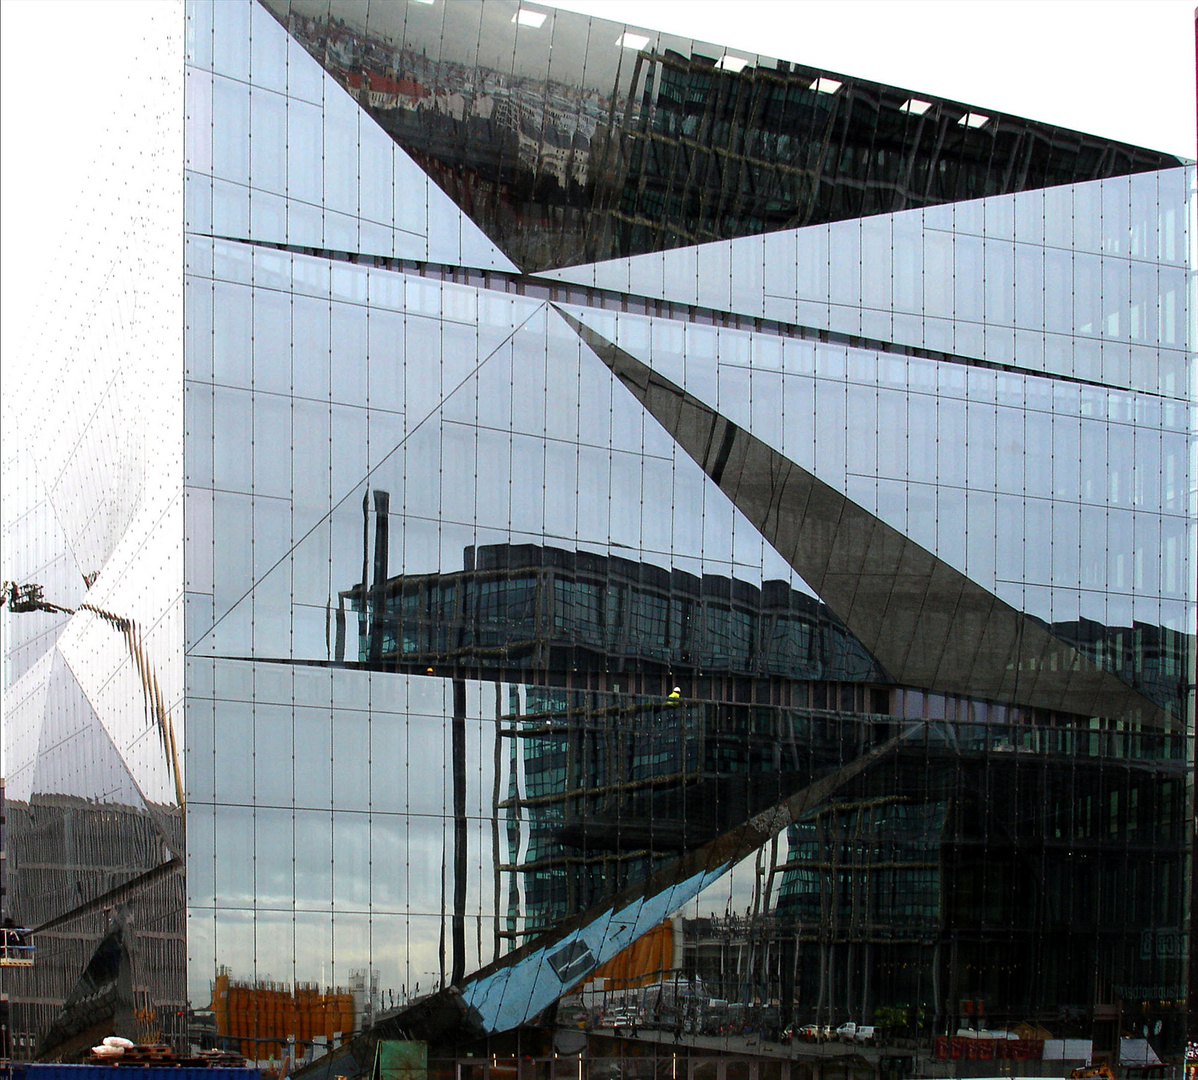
point(535, 366)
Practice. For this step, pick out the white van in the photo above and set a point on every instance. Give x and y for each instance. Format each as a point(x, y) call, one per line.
point(856, 1033)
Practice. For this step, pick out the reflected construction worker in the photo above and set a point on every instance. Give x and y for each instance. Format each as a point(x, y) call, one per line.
point(675, 695)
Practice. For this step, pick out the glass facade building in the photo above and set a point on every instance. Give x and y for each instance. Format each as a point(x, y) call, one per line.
point(578, 488)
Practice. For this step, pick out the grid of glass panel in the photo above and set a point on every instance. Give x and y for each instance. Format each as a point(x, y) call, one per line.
point(448, 563)
point(586, 547)
point(92, 561)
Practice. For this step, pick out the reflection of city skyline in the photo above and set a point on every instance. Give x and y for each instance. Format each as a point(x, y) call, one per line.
point(652, 370)
point(528, 607)
point(600, 789)
point(525, 607)
point(510, 135)
point(402, 77)
point(481, 36)
point(665, 144)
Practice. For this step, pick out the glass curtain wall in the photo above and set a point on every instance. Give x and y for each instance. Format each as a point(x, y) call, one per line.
point(597, 442)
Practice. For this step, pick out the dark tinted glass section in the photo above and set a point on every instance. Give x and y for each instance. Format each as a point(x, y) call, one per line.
point(983, 866)
point(574, 140)
point(75, 862)
point(522, 610)
point(1152, 659)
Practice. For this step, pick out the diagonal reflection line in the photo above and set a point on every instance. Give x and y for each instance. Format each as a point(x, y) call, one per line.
point(510, 990)
point(559, 291)
point(925, 622)
point(158, 812)
point(117, 894)
point(373, 469)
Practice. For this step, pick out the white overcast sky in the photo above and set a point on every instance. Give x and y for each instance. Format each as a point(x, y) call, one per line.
point(1117, 68)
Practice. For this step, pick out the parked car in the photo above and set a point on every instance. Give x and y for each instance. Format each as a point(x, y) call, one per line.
point(807, 1033)
point(856, 1033)
point(621, 1016)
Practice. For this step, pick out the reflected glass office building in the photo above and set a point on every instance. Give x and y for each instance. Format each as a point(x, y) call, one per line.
point(534, 366)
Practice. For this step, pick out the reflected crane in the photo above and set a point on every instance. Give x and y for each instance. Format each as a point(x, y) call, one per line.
point(30, 597)
point(16, 948)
